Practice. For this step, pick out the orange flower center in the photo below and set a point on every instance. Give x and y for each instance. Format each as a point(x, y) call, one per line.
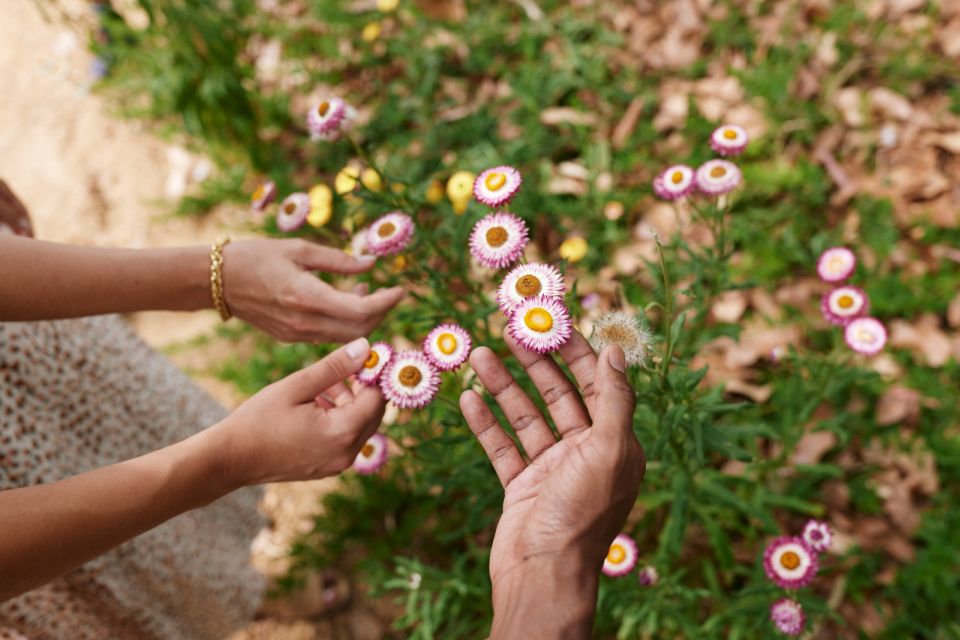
point(538, 320)
point(372, 360)
point(730, 134)
point(677, 177)
point(410, 376)
point(289, 207)
point(497, 236)
point(447, 343)
point(495, 181)
point(790, 561)
point(617, 554)
point(367, 450)
point(845, 301)
point(718, 172)
point(258, 193)
point(323, 107)
point(529, 285)
point(386, 229)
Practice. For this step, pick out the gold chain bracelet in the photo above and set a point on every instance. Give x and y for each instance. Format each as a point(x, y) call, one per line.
point(216, 278)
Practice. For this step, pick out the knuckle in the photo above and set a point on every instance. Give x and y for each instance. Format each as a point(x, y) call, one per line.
point(556, 392)
point(523, 421)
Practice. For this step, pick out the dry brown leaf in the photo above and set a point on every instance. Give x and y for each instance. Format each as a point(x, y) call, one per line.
point(812, 446)
point(890, 104)
point(924, 337)
point(729, 306)
point(953, 311)
point(627, 124)
point(849, 102)
point(898, 404)
point(553, 116)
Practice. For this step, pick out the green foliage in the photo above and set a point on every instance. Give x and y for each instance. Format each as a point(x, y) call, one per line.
point(720, 480)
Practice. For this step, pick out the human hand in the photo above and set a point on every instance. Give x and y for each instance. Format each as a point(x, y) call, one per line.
point(562, 509)
point(14, 216)
point(270, 284)
point(308, 425)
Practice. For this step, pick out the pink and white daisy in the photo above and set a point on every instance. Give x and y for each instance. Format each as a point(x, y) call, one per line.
point(844, 304)
point(836, 264)
point(377, 360)
point(390, 234)
point(358, 244)
point(293, 211)
point(790, 562)
point(263, 196)
point(410, 381)
point(674, 182)
point(328, 118)
point(447, 346)
point(729, 140)
point(648, 576)
point(540, 324)
point(818, 535)
point(495, 187)
point(717, 177)
point(372, 455)
point(621, 558)
point(528, 280)
point(866, 335)
point(498, 239)
point(788, 617)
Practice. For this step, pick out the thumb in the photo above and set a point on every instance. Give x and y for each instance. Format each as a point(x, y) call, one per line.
point(615, 397)
point(319, 258)
point(304, 385)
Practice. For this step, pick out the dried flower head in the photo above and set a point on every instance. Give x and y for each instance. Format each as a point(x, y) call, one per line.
point(818, 535)
point(627, 332)
point(621, 557)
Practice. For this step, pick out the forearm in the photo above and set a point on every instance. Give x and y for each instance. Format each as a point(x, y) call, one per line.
point(48, 530)
point(546, 598)
point(44, 280)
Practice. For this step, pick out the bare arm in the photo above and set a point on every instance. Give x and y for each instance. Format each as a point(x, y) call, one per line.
point(44, 280)
point(285, 432)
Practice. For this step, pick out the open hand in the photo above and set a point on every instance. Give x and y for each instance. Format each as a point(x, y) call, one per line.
point(270, 284)
point(566, 501)
point(309, 425)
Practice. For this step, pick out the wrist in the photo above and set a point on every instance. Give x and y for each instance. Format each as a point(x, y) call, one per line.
point(212, 452)
point(193, 275)
point(546, 596)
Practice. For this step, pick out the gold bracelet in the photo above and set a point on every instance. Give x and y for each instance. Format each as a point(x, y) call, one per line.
point(216, 278)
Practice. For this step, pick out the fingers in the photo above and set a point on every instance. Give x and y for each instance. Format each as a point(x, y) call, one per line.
point(336, 396)
point(503, 454)
point(305, 385)
point(318, 297)
point(582, 361)
point(534, 432)
point(361, 416)
point(615, 400)
point(562, 399)
point(315, 257)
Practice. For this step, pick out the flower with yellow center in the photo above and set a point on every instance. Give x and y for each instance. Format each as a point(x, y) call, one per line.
point(541, 324)
point(621, 557)
point(379, 357)
point(372, 455)
point(447, 346)
point(528, 280)
point(843, 304)
point(573, 249)
point(410, 381)
point(790, 562)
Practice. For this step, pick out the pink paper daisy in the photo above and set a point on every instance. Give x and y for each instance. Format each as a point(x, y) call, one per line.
point(390, 234)
point(528, 280)
point(540, 324)
point(380, 355)
point(495, 187)
point(788, 617)
point(674, 182)
point(372, 455)
point(263, 196)
point(717, 177)
point(328, 118)
point(844, 304)
point(790, 562)
point(410, 381)
point(498, 240)
point(818, 535)
point(836, 264)
point(865, 335)
point(447, 346)
point(293, 212)
point(729, 140)
point(621, 558)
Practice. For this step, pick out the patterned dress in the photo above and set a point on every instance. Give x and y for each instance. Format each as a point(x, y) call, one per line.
point(76, 395)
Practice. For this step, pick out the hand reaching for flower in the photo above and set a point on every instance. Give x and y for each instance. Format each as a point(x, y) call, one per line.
point(563, 507)
point(270, 284)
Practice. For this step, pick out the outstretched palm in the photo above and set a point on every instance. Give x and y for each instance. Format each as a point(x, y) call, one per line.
point(574, 493)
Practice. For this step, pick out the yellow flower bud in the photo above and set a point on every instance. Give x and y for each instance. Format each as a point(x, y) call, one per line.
point(346, 180)
point(371, 32)
point(460, 205)
point(320, 194)
point(371, 180)
point(320, 214)
point(435, 192)
point(460, 185)
point(573, 249)
point(386, 6)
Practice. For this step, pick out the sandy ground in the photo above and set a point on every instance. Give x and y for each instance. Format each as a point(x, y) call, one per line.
point(89, 177)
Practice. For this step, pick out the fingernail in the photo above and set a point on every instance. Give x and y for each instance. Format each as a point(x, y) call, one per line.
point(359, 348)
point(617, 359)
